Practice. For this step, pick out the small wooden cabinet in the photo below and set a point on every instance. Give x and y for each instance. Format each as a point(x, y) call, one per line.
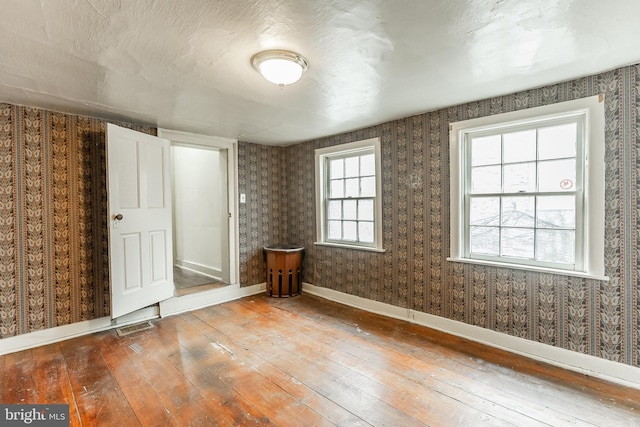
point(284, 270)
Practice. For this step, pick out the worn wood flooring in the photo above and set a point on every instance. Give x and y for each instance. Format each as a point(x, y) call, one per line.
point(189, 282)
point(303, 361)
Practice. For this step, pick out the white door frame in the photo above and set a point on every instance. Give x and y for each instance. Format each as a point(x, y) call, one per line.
point(231, 145)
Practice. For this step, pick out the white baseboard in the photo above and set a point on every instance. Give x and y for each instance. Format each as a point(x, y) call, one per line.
point(65, 332)
point(615, 372)
point(168, 307)
point(619, 373)
point(205, 270)
point(181, 304)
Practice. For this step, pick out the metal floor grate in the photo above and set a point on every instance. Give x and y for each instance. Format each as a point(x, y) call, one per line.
point(126, 330)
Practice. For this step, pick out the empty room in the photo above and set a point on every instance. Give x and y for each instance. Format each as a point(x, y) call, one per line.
point(319, 213)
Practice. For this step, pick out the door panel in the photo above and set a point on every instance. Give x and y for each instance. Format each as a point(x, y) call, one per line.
point(155, 177)
point(140, 253)
point(125, 167)
point(158, 259)
point(132, 261)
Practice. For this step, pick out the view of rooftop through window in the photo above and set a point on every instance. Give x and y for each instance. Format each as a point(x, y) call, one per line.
point(524, 193)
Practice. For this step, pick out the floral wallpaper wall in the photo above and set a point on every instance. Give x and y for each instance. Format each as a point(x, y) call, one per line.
point(588, 316)
point(53, 230)
point(263, 218)
point(53, 253)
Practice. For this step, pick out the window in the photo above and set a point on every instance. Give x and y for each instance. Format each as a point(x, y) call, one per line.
point(348, 195)
point(527, 189)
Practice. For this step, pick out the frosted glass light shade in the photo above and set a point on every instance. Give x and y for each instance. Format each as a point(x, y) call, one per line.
point(281, 67)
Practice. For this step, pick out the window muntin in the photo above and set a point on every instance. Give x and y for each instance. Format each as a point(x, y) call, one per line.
point(525, 204)
point(348, 201)
point(351, 196)
point(524, 193)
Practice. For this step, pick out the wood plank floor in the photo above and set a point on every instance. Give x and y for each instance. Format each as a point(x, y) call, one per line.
point(303, 361)
point(189, 282)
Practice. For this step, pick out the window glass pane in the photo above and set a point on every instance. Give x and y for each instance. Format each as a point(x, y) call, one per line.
point(365, 210)
point(557, 141)
point(352, 187)
point(336, 168)
point(486, 150)
point(365, 232)
point(350, 209)
point(518, 211)
point(556, 212)
point(335, 209)
point(485, 211)
point(517, 242)
point(519, 146)
point(520, 177)
point(556, 246)
point(368, 165)
point(368, 187)
point(352, 166)
point(523, 183)
point(350, 230)
point(557, 175)
point(335, 230)
point(485, 240)
point(486, 179)
point(337, 188)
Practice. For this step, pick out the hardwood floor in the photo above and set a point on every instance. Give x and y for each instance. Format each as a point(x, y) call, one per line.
point(303, 361)
point(190, 282)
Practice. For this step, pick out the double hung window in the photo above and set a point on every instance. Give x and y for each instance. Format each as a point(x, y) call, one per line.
point(348, 195)
point(527, 188)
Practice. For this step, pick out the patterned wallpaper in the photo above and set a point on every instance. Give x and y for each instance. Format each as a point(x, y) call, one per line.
point(53, 254)
point(587, 316)
point(53, 213)
point(263, 218)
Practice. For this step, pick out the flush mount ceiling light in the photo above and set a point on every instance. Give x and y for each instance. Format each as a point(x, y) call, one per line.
point(281, 67)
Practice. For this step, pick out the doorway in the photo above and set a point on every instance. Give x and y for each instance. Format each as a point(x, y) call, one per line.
point(204, 176)
point(200, 218)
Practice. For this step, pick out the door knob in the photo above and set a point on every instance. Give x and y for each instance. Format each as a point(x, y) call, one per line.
point(118, 217)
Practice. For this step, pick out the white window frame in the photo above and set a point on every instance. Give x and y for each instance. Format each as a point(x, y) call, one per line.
point(322, 155)
point(589, 225)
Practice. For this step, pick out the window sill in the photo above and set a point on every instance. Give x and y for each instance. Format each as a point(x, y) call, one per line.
point(530, 268)
point(358, 248)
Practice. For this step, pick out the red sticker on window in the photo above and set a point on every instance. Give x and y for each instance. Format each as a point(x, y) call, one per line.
point(566, 184)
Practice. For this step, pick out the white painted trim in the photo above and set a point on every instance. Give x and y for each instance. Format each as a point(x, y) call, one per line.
point(151, 312)
point(205, 270)
point(619, 373)
point(594, 186)
point(73, 330)
point(231, 145)
point(196, 139)
point(525, 267)
point(172, 306)
point(184, 303)
point(354, 247)
point(321, 190)
point(234, 220)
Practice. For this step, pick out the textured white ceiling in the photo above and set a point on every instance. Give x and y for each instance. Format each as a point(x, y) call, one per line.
point(185, 64)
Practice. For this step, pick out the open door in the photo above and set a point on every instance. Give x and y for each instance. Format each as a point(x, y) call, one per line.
point(140, 234)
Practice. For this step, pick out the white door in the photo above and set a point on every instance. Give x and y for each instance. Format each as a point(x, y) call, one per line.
point(140, 235)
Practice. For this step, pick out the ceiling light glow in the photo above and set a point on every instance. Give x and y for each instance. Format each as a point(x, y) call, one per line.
point(281, 67)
